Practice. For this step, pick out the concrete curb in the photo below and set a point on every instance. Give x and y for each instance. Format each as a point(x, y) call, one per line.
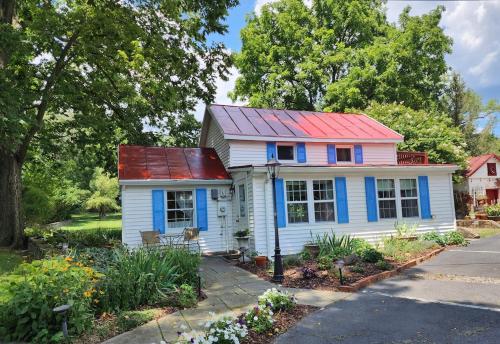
point(386, 274)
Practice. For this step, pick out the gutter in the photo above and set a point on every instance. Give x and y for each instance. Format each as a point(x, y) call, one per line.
point(354, 169)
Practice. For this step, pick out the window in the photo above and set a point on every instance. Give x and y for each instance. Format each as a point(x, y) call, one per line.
point(285, 152)
point(243, 205)
point(296, 197)
point(323, 200)
point(344, 154)
point(492, 168)
point(179, 209)
point(409, 197)
point(386, 198)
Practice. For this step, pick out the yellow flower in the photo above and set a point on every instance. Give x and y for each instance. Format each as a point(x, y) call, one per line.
point(65, 268)
point(87, 293)
point(68, 259)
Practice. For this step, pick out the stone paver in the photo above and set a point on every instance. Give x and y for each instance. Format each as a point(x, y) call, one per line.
point(230, 291)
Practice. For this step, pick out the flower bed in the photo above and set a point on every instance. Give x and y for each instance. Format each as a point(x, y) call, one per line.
point(363, 264)
point(274, 314)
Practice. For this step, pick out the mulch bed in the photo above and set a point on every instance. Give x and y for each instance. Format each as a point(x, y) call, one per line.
point(283, 321)
point(329, 280)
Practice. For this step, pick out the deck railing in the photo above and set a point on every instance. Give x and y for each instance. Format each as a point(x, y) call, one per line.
point(413, 158)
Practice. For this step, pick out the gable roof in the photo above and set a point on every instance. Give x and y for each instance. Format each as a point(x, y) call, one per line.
point(245, 123)
point(143, 163)
point(475, 162)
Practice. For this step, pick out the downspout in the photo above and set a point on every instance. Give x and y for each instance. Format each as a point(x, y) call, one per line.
point(453, 203)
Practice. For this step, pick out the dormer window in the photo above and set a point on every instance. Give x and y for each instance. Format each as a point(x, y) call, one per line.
point(344, 154)
point(492, 169)
point(285, 152)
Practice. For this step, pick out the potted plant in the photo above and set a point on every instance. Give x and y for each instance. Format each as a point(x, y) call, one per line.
point(311, 247)
point(242, 236)
point(260, 261)
point(493, 212)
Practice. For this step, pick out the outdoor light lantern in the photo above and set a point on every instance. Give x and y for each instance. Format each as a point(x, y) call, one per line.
point(273, 167)
point(63, 310)
point(340, 265)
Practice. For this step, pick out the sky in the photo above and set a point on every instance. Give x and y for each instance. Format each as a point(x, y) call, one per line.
point(474, 27)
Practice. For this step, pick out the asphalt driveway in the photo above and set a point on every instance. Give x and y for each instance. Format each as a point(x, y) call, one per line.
point(452, 298)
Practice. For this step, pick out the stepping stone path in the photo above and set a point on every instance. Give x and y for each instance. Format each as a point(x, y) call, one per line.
point(230, 291)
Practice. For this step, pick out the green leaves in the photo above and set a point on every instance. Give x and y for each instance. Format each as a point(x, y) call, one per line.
point(340, 54)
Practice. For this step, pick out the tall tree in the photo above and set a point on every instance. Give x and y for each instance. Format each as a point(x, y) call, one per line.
point(339, 54)
point(97, 67)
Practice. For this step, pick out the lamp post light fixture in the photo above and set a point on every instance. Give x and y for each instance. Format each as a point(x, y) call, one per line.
point(340, 265)
point(63, 310)
point(273, 167)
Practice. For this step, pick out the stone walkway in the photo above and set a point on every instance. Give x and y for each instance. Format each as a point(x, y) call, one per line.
point(230, 291)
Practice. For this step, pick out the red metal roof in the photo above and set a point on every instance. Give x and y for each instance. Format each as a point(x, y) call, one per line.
point(475, 162)
point(139, 162)
point(245, 121)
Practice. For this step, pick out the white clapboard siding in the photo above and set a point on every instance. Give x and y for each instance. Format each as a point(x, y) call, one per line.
point(244, 153)
point(479, 181)
point(294, 236)
point(215, 139)
point(137, 216)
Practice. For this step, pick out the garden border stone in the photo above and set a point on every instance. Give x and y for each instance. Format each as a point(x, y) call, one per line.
point(386, 274)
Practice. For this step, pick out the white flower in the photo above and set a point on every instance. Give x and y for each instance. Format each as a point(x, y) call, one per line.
point(255, 318)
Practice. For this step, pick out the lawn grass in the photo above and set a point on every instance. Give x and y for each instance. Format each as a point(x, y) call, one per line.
point(8, 261)
point(487, 232)
point(92, 221)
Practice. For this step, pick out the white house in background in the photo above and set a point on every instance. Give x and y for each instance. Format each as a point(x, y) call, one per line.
point(481, 178)
point(339, 172)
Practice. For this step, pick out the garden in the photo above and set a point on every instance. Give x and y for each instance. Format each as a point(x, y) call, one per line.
point(334, 262)
point(275, 312)
point(109, 288)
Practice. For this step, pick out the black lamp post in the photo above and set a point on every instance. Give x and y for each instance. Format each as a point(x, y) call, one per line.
point(273, 167)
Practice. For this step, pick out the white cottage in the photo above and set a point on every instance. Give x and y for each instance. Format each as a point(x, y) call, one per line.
point(481, 180)
point(339, 172)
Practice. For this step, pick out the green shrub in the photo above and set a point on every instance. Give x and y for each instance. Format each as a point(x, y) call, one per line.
point(132, 319)
point(404, 230)
point(259, 319)
point(26, 315)
point(96, 237)
point(292, 261)
point(434, 237)
point(455, 238)
point(144, 276)
point(360, 245)
point(277, 300)
point(325, 263)
point(371, 255)
point(357, 269)
point(383, 265)
point(305, 255)
point(403, 250)
point(493, 210)
point(186, 296)
point(333, 245)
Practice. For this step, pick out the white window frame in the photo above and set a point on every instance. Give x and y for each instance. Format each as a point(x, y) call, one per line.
point(395, 198)
point(294, 148)
point(193, 221)
point(351, 147)
point(401, 198)
point(313, 201)
point(242, 202)
point(307, 201)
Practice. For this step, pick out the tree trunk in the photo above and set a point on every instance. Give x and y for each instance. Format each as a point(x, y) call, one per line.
point(11, 219)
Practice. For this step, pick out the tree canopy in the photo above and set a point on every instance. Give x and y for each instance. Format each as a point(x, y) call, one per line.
point(338, 54)
point(94, 73)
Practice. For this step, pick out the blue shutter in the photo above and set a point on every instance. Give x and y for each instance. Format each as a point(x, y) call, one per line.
point(271, 151)
point(280, 203)
point(201, 209)
point(332, 154)
point(341, 193)
point(358, 154)
point(301, 152)
point(158, 211)
point(425, 202)
point(371, 199)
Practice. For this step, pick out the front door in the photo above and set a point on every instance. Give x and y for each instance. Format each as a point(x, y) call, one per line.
point(492, 195)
